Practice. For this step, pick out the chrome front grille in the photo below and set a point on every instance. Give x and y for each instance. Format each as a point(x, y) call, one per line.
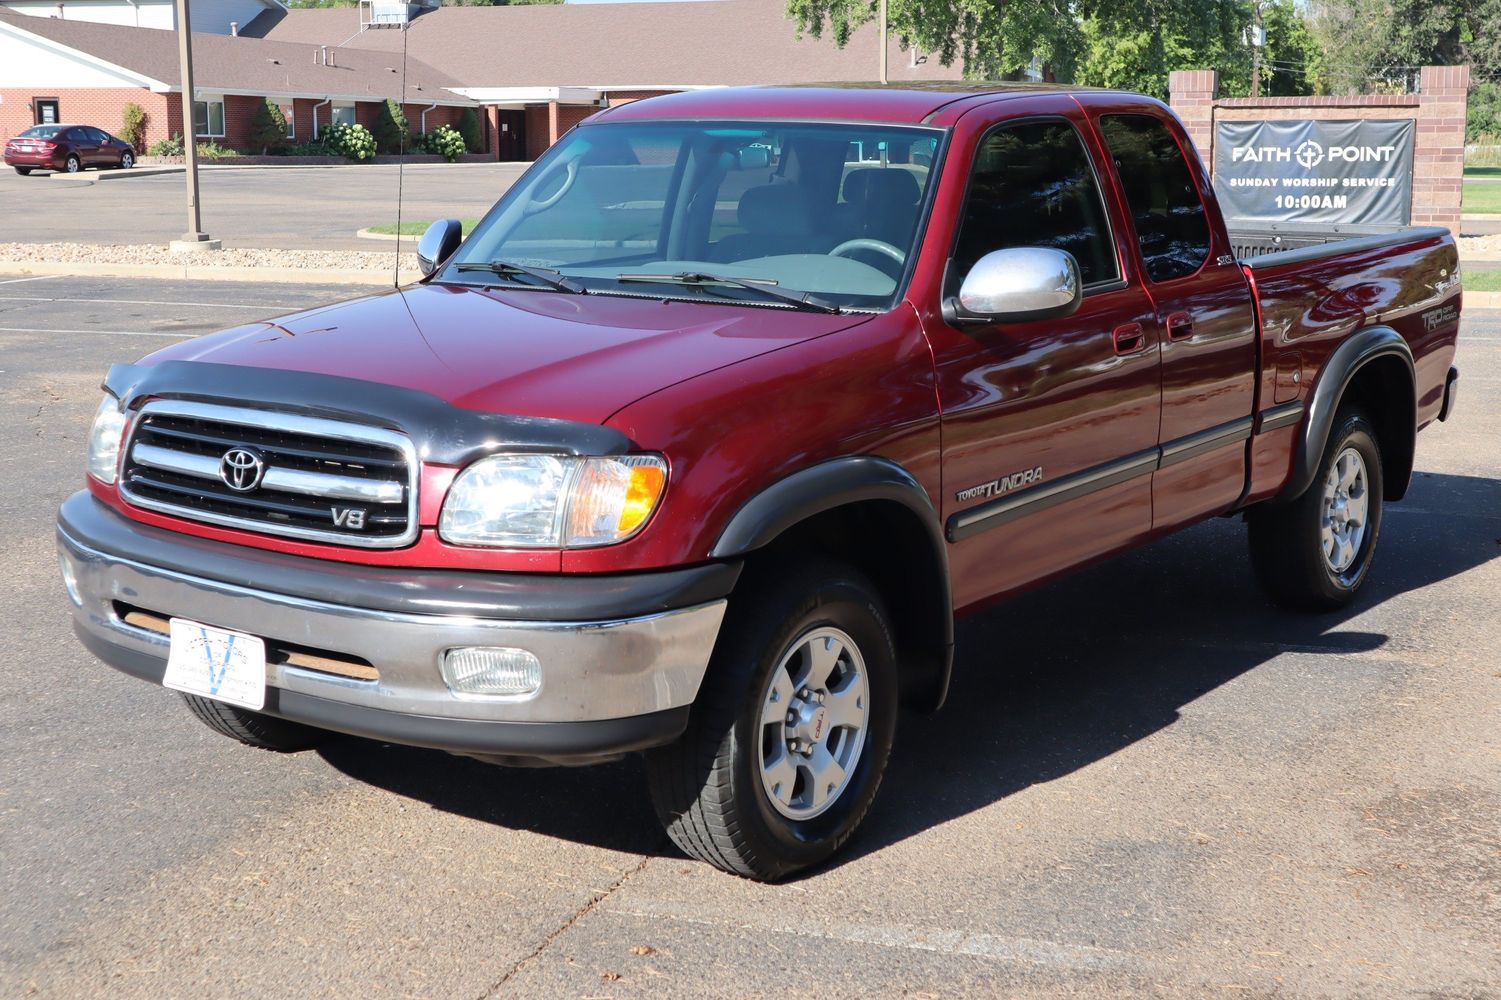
point(275, 473)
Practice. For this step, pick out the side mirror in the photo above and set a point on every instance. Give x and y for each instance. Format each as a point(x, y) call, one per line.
point(1017, 285)
point(438, 244)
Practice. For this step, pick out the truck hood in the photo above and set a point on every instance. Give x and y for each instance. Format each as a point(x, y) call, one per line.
point(544, 354)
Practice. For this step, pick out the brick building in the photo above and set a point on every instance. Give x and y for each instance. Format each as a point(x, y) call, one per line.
point(77, 71)
point(530, 72)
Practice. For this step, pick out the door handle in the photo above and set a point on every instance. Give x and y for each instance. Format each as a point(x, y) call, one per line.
point(1129, 338)
point(1180, 326)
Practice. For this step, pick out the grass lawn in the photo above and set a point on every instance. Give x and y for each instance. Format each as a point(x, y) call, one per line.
point(1482, 199)
point(1482, 281)
point(418, 228)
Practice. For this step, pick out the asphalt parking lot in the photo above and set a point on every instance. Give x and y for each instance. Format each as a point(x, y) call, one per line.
point(1147, 782)
point(294, 208)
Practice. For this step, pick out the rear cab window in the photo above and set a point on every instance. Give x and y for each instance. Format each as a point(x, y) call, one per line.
point(1161, 197)
point(1033, 184)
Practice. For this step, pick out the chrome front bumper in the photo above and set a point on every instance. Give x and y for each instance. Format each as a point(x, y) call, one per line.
point(606, 671)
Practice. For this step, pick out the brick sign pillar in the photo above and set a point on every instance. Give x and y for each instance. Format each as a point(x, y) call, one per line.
point(1438, 111)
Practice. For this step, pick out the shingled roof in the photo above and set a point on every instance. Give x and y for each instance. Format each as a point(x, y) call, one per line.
point(225, 64)
point(620, 46)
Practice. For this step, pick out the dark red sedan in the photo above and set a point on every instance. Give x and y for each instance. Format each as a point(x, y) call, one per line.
point(70, 148)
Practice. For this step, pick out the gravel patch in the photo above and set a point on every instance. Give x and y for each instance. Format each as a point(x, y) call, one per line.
point(152, 253)
point(1480, 247)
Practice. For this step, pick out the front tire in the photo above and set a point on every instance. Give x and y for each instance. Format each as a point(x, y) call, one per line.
point(254, 729)
point(792, 728)
point(1313, 553)
point(127, 160)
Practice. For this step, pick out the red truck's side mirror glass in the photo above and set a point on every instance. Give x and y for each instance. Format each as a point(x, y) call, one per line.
point(438, 244)
point(1017, 285)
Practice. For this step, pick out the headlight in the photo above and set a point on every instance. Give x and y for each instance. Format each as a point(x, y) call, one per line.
point(552, 501)
point(104, 440)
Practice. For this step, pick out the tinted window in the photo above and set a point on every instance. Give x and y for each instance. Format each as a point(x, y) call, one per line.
point(1032, 186)
point(1160, 193)
point(41, 132)
point(97, 135)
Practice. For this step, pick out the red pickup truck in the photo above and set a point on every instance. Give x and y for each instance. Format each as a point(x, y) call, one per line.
point(702, 439)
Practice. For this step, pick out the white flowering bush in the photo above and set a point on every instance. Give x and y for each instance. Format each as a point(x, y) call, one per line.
point(353, 142)
point(445, 141)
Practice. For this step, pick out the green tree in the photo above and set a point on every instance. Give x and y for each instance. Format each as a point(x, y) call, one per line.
point(268, 129)
point(391, 127)
point(469, 129)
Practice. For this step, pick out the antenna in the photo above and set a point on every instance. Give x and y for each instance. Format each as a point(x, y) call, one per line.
point(401, 162)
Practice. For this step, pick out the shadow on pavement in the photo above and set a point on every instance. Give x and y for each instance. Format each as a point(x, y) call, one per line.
point(1045, 684)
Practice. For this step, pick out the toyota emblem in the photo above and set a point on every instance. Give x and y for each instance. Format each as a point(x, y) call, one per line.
point(241, 469)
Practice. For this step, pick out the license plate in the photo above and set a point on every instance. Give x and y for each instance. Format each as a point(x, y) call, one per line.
point(216, 663)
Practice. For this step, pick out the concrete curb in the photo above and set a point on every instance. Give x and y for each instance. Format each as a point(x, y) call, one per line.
point(1482, 300)
point(91, 176)
point(191, 272)
point(366, 234)
point(1492, 217)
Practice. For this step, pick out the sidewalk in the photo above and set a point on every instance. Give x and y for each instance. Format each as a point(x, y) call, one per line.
point(156, 261)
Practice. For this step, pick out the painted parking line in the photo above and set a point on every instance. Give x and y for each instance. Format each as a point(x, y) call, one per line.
point(108, 333)
point(39, 277)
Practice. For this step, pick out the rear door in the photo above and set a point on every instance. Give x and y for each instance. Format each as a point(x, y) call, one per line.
point(1204, 316)
point(1050, 427)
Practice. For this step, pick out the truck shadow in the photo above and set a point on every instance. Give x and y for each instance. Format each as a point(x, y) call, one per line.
point(1045, 684)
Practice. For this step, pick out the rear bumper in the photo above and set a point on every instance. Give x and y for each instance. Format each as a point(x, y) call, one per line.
point(42, 161)
point(622, 657)
point(1451, 394)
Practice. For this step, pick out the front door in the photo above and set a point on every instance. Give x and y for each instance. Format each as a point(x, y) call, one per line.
point(1204, 315)
point(1049, 428)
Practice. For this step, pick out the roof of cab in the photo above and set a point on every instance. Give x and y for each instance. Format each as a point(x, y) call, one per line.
point(905, 103)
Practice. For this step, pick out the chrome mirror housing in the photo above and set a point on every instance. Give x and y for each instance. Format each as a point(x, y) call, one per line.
point(438, 244)
point(1018, 285)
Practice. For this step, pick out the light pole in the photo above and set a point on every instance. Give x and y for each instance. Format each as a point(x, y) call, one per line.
point(195, 238)
point(1258, 40)
point(881, 16)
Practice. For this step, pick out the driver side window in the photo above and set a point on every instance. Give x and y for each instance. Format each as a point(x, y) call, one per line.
point(1032, 185)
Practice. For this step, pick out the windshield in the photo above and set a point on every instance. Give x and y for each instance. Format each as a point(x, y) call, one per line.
point(830, 211)
point(41, 132)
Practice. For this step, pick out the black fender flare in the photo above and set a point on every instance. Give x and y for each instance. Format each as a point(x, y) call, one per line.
point(841, 482)
point(1357, 351)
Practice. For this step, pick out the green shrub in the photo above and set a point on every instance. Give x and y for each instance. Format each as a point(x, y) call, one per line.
point(353, 142)
point(444, 141)
point(268, 129)
point(167, 147)
point(133, 125)
point(391, 127)
point(213, 151)
point(469, 129)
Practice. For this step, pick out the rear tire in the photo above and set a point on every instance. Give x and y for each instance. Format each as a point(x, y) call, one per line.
point(1313, 553)
point(254, 729)
point(25, 171)
point(72, 164)
point(745, 788)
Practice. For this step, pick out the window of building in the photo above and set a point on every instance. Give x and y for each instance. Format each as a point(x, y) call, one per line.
point(1033, 185)
point(289, 113)
point(1160, 192)
point(208, 118)
point(342, 112)
point(46, 110)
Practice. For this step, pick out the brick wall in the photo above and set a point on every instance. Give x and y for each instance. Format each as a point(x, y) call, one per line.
point(1438, 111)
point(102, 107)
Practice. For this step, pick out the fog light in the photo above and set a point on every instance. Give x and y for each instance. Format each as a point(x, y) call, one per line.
point(70, 579)
point(492, 671)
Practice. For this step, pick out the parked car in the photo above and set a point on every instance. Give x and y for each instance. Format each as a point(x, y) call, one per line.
point(703, 438)
point(69, 148)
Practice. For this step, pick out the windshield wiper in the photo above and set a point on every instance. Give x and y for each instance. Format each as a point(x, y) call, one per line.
point(547, 275)
point(765, 286)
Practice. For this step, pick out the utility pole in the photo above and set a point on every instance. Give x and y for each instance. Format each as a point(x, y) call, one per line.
point(1258, 39)
point(884, 46)
point(195, 238)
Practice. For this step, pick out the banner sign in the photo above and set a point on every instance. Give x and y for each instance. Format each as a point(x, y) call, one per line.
point(1353, 172)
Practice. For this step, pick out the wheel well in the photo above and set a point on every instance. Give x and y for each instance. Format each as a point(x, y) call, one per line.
point(887, 543)
point(1382, 389)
